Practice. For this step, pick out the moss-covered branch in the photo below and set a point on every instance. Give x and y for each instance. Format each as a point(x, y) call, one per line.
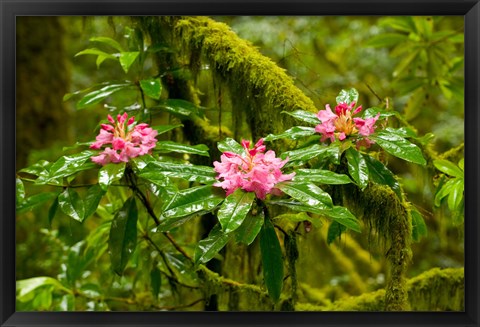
point(434, 290)
point(259, 88)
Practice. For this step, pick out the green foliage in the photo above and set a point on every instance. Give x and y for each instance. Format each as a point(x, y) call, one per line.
point(234, 210)
point(357, 167)
point(123, 235)
point(399, 147)
point(451, 187)
point(209, 247)
point(272, 260)
point(147, 216)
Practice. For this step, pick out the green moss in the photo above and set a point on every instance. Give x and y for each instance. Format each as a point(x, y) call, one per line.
point(252, 297)
point(434, 290)
point(259, 88)
point(389, 223)
point(438, 290)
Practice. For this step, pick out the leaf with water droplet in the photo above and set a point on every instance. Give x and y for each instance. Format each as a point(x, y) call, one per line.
point(123, 236)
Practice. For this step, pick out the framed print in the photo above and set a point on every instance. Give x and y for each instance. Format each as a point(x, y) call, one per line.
point(196, 163)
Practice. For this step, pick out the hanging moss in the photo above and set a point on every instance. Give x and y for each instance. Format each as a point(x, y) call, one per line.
point(434, 290)
point(255, 297)
point(260, 87)
point(389, 221)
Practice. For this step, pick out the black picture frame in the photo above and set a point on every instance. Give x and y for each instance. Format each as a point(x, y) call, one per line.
point(9, 9)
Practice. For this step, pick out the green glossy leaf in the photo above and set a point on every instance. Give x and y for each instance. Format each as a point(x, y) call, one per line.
point(26, 287)
point(461, 164)
point(155, 178)
point(305, 116)
point(182, 266)
point(76, 146)
point(201, 174)
point(249, 229)
point(357, 167)
point(123, 236)
point(101, 55)
point(402, 132)
point(194, 200)
point(347, 96)
point(448, 168)
point(52, 211)
point(209, 247)
point(444, 191)
point(95, 52)
point(167, 225)
point(142, 161)
point(67, 165)
point(320, 176)
point(98, 96)
point(101, 59)
point(386, 40)
point(372, 112)
point(155, 281)
point(127, 59)
point(272, 260)
point(344, 217)
point(419, 228)
point(34, 201)
point(152, 87)
point(169, 146)
point(110, 173)
point(20, 191)
point(106, 40)
point(455, 197)
point(71, 204)
point(299, 217)
point(313, 151)
point(92, 200)
point(337, 213)
point(335, 230)
point(380, 174)
point(230, 145)
point(307, 193)
point(178, 107)
point(399, 147)
point(293, 133)
point(165, 128)
point(234, 209)
point(37, 169)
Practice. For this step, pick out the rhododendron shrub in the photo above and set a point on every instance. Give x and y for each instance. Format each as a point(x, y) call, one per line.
point(343, 124)
point(252, 171)
point(124, 139)
point(240, 189)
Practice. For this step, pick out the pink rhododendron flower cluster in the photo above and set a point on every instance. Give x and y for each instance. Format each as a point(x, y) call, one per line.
point(127, 140)
point(341, 123)
point(255, 171)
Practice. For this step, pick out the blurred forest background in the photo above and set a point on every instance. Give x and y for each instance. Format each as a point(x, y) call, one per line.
point(411, 64)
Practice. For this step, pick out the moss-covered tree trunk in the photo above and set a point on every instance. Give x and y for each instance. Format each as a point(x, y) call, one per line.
point(42, 77)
